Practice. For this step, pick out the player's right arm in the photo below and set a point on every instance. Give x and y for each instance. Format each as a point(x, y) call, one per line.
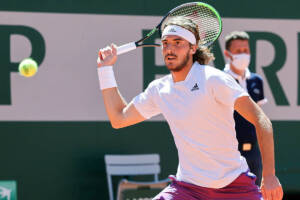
point(119, 112)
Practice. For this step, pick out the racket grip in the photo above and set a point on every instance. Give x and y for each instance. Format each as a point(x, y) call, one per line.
point(126, 47)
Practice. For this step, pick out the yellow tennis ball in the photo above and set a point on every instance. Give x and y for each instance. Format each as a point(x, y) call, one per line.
point(28, 67)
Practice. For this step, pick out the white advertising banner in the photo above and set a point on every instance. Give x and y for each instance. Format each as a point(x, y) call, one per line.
point(66, 86)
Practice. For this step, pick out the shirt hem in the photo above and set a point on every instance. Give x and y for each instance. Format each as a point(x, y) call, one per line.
point(219, 183)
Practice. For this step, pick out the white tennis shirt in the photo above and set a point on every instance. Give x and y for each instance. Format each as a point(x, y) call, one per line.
point(199, 111)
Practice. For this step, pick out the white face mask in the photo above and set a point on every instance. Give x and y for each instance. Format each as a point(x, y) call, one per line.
point(240, 61)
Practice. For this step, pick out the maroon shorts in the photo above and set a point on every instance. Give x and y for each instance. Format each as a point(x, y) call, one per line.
point(242, 188)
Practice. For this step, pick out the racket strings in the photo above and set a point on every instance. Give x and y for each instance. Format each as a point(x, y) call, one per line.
point(207, 21)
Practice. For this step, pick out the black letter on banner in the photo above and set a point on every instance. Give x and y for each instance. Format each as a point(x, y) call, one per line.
point(298, 69)
point(219, 61)
point(271, 70)
point(37, 53)
point(150, 69)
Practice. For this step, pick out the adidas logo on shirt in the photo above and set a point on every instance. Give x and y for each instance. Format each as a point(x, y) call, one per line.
point(195, 87)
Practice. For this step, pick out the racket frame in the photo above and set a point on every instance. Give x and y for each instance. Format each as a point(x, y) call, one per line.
point(133, 45)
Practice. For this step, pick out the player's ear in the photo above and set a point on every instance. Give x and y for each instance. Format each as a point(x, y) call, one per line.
point(193, 49)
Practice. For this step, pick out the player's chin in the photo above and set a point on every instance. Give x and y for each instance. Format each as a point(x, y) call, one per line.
point(170, 63)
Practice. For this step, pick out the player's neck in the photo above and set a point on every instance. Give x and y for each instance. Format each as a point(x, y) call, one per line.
point(238, 72)
point(182, 74)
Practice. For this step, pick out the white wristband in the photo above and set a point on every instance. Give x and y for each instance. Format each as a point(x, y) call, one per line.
point(106, 77)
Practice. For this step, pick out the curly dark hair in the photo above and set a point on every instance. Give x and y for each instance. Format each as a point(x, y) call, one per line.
point(203, 54)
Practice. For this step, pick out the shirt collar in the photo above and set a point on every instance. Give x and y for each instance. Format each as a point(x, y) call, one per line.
point(237, 76)
point(188, 75)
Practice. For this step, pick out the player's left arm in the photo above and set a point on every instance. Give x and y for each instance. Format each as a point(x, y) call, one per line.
point(271, 187)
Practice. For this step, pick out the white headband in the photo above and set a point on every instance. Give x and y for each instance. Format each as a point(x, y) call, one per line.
point(179, 31)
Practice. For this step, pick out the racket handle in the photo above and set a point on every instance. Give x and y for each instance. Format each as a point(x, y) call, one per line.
point(120, 50)
point(126, 47)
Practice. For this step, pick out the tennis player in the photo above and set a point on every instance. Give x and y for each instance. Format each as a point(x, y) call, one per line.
point(237, 51)
point(198, 103)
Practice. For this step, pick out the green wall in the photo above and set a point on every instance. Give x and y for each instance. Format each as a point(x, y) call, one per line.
point(230, 8)
point(64, 160)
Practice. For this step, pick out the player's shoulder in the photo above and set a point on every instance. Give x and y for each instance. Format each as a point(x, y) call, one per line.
point(160, 82)
point(215, 74)
point(209, 70)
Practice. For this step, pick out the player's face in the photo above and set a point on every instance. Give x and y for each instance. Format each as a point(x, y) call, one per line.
point(239, 47)
point(177, 52)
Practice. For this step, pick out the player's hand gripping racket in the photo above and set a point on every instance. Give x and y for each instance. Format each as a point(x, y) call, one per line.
point(204, 15)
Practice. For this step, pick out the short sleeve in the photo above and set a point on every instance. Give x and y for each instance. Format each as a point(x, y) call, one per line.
point(145, 102)
point(226, 90)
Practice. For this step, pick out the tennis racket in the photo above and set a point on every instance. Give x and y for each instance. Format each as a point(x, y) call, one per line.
point(204, 15)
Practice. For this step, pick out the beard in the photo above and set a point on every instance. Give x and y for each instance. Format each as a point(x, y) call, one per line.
point(180, 65)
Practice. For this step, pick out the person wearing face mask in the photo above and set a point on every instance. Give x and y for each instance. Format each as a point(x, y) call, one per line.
point(237, 52)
